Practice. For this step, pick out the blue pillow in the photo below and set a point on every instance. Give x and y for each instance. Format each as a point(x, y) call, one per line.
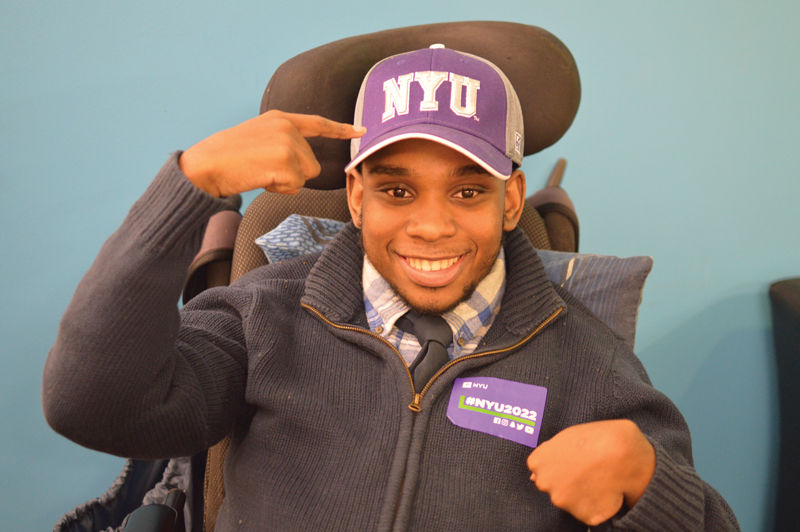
point(298, 235)
point(611, 287)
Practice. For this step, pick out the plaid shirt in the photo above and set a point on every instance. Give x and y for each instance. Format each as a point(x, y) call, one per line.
point(470, 320)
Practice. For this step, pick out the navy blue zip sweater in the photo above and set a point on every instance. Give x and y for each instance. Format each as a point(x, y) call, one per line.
point(322, 434)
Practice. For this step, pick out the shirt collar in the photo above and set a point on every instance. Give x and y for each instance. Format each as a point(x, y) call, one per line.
point(384, 306)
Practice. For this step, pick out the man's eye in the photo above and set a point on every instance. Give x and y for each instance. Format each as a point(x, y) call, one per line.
point(398, 193)
point(468, 193)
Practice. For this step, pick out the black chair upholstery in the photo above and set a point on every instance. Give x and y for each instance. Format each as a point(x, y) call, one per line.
point(785, 300)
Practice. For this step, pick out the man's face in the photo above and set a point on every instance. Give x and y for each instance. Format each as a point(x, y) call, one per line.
point(432, 220)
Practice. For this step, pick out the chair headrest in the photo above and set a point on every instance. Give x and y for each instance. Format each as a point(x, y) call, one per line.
point(326, 80)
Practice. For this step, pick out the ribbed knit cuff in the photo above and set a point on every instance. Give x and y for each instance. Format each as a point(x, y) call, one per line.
point(674, 499)
point(171, 208)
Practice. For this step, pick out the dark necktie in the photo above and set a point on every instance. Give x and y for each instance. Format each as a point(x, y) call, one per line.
point(434, 335)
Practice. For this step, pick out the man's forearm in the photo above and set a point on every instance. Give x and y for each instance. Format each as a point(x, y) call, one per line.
point(114, 357)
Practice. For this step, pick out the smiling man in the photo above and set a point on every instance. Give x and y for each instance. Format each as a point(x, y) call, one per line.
point(340, 375)
point(432, 220)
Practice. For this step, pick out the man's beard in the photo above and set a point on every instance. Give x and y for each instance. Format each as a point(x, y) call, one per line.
point(466, 293)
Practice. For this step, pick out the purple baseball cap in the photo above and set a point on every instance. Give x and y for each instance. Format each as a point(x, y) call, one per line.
point(457, 99)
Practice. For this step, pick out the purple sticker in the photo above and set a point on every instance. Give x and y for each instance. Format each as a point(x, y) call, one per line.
point(507, 409)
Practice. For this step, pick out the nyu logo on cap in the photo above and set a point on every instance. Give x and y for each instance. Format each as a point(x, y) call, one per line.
point(456, 99)
point(397, 93)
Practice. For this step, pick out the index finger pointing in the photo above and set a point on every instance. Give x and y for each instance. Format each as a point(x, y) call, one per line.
point(319, 126)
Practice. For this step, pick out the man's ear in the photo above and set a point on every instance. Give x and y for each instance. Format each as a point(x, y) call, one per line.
point(515, 200)
point(355, 195)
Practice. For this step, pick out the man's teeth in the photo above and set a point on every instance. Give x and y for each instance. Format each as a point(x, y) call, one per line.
point(431, 265)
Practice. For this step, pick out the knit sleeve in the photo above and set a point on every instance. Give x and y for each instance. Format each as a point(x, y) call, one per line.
point(124, 376)
point(676, 498)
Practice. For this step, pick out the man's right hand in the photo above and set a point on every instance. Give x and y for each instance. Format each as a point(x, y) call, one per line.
point(269, 152)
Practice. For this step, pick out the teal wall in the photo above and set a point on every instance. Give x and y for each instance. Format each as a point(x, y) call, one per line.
point(685, 148)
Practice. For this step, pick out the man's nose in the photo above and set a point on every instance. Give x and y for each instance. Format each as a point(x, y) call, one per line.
point(431, 220)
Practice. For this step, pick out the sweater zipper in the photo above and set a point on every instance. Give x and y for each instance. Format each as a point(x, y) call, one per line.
point(408, 372)
point(415, 404)
point(364, 331)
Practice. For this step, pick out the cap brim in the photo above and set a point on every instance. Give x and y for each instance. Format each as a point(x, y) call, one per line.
point(487, 156)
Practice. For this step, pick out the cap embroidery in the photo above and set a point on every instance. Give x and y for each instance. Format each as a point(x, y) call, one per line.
point(397, 93)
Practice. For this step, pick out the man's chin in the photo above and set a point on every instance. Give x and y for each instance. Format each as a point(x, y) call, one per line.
point(433, 307)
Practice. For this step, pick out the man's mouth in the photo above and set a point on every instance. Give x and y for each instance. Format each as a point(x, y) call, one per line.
point(432, 273)
point(426, 265)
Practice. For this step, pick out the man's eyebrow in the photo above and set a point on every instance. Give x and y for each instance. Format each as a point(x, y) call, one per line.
point(389, 170)
point(468, 170)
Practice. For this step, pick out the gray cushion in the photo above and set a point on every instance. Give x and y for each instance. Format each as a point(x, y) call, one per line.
point(611, 287)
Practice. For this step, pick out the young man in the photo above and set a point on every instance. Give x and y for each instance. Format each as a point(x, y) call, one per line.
point(340, 418)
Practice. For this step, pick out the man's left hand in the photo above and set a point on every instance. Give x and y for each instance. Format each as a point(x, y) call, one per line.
point(589, 470)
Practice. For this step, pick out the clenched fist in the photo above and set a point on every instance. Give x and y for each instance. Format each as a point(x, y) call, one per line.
point(589, 470)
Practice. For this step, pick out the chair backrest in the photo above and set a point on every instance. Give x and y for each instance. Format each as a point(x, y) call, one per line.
point(326, 81)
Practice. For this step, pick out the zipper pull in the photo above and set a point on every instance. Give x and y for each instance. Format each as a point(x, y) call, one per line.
point(414, 406)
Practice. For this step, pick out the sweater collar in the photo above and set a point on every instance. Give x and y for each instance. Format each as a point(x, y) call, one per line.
point(334, 286)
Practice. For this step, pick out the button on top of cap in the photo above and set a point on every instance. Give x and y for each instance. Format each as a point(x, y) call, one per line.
point(437, 46)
